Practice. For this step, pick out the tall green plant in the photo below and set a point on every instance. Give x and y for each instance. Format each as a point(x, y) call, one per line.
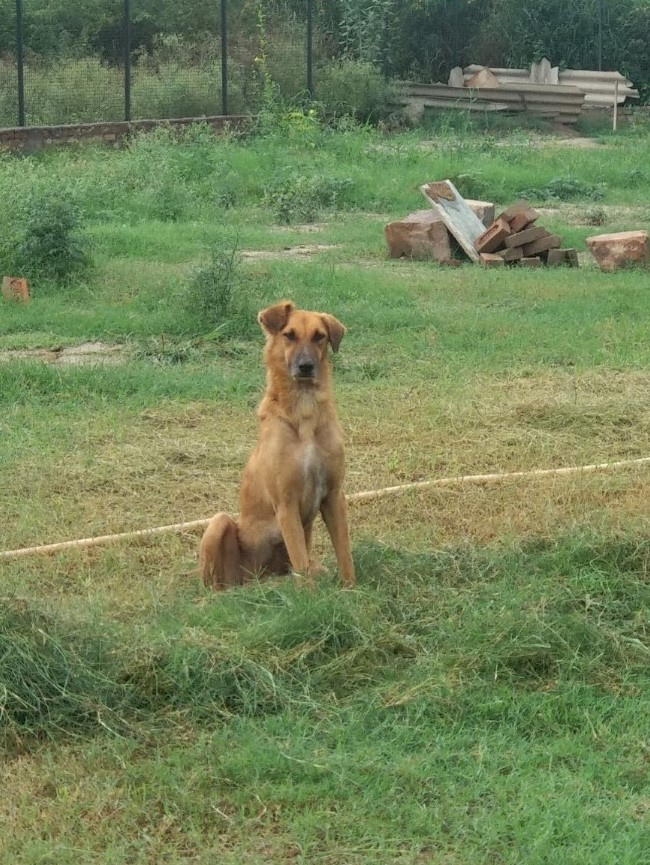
point(365, 29)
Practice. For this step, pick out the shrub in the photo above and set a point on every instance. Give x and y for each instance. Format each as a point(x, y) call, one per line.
point(300, 197)
point(565, 189)
point(217, 296)
point(50, 244)
point(470, 185)
point(355, 89)
point(212, 287)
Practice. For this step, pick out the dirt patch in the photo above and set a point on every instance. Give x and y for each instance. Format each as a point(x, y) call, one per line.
point(573, 143)
point(569, 141)
point(602, 217)
point(74, 355)
point(308, 228)
point(287, 251)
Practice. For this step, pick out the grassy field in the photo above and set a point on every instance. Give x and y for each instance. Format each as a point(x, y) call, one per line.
point(482, 695)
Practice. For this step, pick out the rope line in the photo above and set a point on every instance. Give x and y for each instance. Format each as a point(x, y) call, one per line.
point(364, 496)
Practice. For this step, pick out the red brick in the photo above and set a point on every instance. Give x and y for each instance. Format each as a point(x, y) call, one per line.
point(488, 259)
point(561, 257)
point(514, 253)
point(521, 238)
point(523, 220)
point(551, 241)
point(15, 288)
point(494, 237)
point(512, 211)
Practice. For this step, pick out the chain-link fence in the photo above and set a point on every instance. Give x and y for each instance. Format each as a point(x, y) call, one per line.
point(110, 60)
point(73, 61)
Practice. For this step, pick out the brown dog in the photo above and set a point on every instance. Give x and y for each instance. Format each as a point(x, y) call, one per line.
point(297, 467)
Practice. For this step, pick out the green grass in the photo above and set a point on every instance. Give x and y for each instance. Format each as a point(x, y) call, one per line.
point(482, 695)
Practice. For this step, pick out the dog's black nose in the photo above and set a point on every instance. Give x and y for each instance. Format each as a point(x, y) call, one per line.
point(306, 368)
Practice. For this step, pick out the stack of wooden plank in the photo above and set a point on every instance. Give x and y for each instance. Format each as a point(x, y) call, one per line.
point(515, 238)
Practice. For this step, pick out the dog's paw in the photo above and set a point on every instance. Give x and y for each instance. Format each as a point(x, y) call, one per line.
point(304, 581)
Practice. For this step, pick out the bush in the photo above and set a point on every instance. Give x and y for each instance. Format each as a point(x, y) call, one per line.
point(355, 89)
point(217, 298)
point(300, 197)
point(50, 244)
point(212, 287)
point(565, 189)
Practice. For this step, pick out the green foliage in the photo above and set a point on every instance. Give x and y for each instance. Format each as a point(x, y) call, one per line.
point(178, 43)
point(356, 89)
point(295, 197)
point(217, 298)
point(55, 678)
point(565, 189)
point(276, 649)
point(366, 28)
point(212, 287)
point(50, 243)
point(470, 184)
point(596, 216)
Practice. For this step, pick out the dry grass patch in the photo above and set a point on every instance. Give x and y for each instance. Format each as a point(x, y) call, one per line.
point(302, 249)
point(183, 462)
point(73, 355)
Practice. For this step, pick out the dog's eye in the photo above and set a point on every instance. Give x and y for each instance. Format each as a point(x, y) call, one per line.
point(318, 336)
point(290, 335)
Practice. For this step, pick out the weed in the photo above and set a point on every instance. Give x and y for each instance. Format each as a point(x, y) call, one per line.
point(217, 297)
point(565, 189)
point(595, 216)
point(470, 185)
point(165, 352)
point(296, 197)
point(212, 288)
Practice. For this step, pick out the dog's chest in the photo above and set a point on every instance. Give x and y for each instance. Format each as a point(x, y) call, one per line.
point(314, 477)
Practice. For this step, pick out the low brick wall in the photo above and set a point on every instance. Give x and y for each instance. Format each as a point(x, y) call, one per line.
point(29, 139)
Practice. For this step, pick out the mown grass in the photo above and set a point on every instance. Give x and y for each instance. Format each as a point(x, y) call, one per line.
point(464, 704)
point(481, 695)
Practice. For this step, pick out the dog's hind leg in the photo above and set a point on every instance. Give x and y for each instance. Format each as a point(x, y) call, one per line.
point(220, 559)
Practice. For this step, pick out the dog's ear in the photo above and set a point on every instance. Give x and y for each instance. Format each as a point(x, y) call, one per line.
point(335, 330)
point(273, 319)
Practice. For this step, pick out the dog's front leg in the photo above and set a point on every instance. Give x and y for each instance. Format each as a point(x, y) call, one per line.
point(293, 535)
point(335, 515)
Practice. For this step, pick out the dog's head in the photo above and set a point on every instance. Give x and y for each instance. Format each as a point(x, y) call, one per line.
point(299, 339)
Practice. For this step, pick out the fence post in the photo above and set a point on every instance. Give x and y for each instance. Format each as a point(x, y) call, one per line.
point(600, 35)
point(310, 49)
point(20, 52)
point(127, 60)
point(224, 58)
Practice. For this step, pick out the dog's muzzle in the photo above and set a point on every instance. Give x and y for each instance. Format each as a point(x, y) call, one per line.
point(304, 367)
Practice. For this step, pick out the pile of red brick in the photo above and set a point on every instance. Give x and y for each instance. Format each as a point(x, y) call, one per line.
point(514, 238)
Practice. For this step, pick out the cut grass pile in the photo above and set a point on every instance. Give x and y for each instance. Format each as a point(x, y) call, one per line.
point(482, 695)
point(467, 703)
point(444, 626)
